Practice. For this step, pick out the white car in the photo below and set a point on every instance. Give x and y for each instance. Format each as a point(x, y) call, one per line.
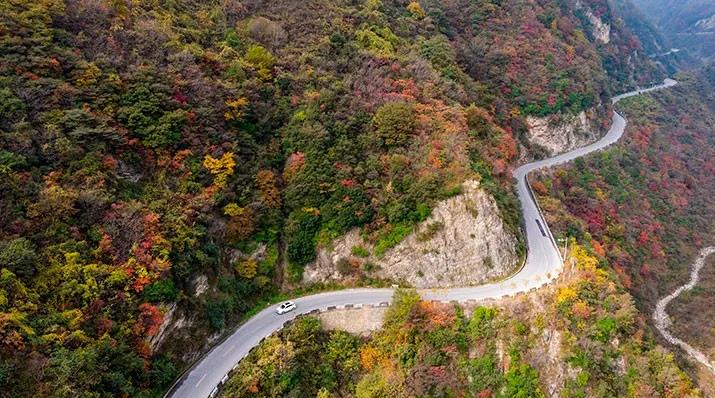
point(288, 306)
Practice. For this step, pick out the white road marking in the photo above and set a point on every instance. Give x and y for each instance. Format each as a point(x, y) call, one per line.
point(201, 379)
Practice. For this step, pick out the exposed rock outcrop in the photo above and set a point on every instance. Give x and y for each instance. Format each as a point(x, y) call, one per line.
point(601, 31)
point(171, 322)
point(464, 242)
point(706, 24)
point(560, 133)
point(200, 285)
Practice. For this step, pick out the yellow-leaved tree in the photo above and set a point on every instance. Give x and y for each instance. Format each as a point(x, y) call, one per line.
point(221, 168)
point(246, 268)
point(416, 10)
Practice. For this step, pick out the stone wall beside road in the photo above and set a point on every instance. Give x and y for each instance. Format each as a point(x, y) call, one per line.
point(360, 321)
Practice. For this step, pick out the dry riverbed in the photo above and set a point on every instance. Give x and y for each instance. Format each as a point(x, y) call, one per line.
point(665, 324)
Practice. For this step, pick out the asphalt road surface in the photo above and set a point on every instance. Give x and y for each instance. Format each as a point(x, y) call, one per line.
point(543, 264)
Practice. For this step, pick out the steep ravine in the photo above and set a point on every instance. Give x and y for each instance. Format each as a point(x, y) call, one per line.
point(663, 321)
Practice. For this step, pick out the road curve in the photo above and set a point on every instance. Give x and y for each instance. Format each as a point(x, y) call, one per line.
point(543, 264)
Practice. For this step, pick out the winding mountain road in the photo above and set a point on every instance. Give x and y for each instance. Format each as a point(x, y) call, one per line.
point(543, 264)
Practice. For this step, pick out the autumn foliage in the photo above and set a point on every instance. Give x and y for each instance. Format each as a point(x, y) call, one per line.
point(644, 204)
point(149, 149)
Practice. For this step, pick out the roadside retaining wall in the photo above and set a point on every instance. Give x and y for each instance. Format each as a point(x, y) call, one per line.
point(354, 320)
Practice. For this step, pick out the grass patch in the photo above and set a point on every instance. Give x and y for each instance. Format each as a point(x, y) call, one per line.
point(392, 238)
point(359, 251)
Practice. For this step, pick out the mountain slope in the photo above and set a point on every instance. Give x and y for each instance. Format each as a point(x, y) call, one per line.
point(688, 24)
point(167, 166)
point(647, 205)
point(656, 44)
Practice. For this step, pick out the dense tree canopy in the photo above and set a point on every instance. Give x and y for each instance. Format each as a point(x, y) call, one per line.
point(192, 154)
point(646, 205)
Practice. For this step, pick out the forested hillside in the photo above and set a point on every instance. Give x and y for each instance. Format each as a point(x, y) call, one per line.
point(178, 162)
point(647, 205)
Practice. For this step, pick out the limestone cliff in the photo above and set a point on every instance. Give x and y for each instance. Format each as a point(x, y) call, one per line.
point(601, 31)
point(464, 242)
point(561, 133)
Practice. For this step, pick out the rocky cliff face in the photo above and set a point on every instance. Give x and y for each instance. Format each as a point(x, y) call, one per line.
point(601, 31)
point(561, 133)
point(463, 242)
point(706, 24)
